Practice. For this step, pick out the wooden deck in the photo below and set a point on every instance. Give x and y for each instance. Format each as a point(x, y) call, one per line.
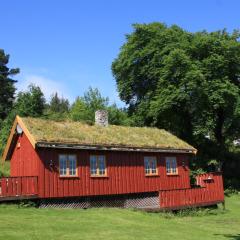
point(209, 192)
point(17, 188)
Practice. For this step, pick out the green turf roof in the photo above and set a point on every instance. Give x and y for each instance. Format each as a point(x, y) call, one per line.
point(70, 132)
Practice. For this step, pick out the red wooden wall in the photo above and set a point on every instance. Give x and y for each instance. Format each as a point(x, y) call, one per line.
point(125, 172)
point(25, 160)
point(18, 186)
point(210, 192)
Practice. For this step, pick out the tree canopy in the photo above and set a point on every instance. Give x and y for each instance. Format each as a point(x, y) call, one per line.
point(58, 105)
point(7, 88)
point(84, 108)
point(187, 83)
point(31, 102)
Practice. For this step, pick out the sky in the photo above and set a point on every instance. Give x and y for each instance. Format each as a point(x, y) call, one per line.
point(66, 46)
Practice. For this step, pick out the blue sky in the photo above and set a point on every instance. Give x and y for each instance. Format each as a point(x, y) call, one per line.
point(67, 46)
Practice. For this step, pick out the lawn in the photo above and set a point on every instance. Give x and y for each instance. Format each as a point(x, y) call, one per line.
point(33, 223)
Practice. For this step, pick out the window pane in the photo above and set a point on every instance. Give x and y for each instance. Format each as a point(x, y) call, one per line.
point(154, 166)
point(168, 165)
point(174, 165)
point(147, 165)
point(72, 165)
point(93, 165)
point(171, 165)
point(63, 165)
point(101, 165)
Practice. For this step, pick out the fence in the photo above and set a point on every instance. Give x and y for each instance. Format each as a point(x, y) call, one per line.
point(18, 186)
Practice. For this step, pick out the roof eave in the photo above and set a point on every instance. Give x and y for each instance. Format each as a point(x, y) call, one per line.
point(112, 148)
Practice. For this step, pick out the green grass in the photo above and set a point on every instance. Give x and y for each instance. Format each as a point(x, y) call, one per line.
point(81, 133)
point(33, 223)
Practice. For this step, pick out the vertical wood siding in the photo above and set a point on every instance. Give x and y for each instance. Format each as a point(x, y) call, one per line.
point(210, 192)
point(24, 161)
point(18, 186)
point(125, 174)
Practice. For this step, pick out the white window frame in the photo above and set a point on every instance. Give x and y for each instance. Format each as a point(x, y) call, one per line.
point(67, 163)
point(171, 166)
point(98, 171)
point(150, 171)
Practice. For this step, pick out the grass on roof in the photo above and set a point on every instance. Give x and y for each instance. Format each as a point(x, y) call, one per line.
point(81, 133)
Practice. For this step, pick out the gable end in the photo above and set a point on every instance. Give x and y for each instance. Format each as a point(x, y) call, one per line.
point(17, 128)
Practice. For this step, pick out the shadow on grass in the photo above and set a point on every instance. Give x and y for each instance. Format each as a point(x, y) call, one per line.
point(230, 236)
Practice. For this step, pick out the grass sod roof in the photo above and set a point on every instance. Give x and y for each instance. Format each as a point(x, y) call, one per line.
point(69, 132)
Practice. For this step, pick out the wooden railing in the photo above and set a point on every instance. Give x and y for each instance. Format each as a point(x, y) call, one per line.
point(210, 191)
point(18, 186)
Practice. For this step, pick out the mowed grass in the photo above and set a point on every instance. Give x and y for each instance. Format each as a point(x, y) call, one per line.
point(33, 223)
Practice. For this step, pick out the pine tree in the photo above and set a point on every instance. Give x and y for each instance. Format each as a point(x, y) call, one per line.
point(7, 88)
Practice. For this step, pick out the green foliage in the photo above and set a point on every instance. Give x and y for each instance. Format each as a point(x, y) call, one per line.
point(232, 184)
point(5, 127)
point(199, 212)
point(7, 89)
point(57, 109)
point(94, 100)
point(57, 104)
point(30, 103)
point(194, 172)
point(187, 83)
point(80, 112)
point(4, 168)
point(27, 204)
point(84, 108)
point(231, 191)
point(117, 116)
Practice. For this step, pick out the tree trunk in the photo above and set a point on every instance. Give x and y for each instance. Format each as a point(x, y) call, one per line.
point(220, 140)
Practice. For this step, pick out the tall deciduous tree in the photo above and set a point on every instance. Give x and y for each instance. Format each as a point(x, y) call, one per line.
point(7, 88)
point(30, 103)
point(84, 107)
point(185, 82)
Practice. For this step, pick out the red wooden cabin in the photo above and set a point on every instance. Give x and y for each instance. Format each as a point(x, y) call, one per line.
point(78, 165)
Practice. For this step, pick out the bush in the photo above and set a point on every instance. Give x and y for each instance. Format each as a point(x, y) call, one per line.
point(4, 169)
point(27, 204)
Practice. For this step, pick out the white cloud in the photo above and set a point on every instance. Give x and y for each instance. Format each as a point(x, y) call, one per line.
point(48, 86)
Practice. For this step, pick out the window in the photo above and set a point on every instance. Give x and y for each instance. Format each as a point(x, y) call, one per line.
point(98, 165)
point(67, 165)
point(171, 165)
point(150, 164)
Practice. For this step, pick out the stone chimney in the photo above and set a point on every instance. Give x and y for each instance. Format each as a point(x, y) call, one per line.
point(101, 118)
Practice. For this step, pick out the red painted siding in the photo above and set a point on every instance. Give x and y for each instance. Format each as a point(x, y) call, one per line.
point(210, 192)
point(25, 160)
point(125, 172)
point(18, 186)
